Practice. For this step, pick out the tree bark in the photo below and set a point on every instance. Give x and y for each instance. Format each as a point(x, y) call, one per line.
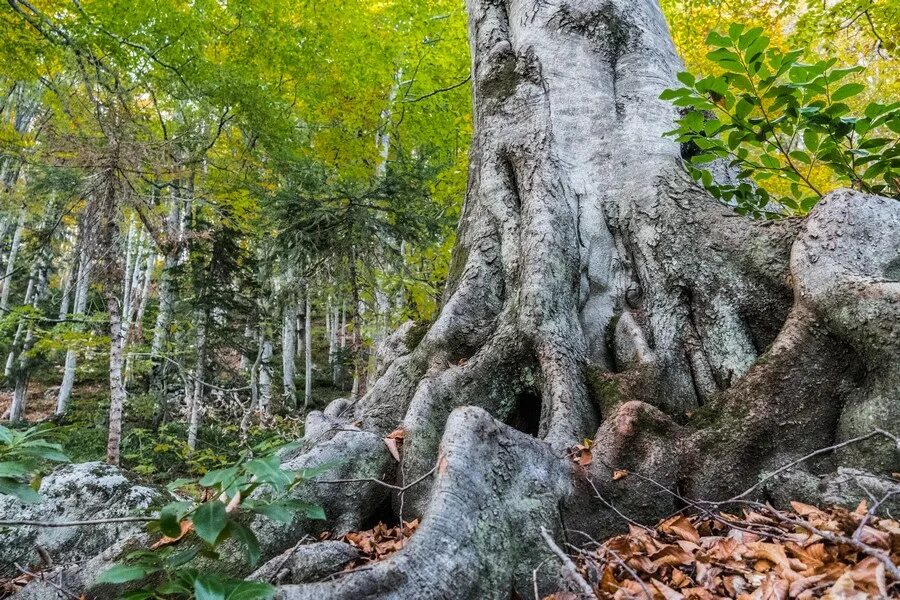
point(11, 262)
point(288, 351)
point(265, 377)
point(79, 304)
point(307, 353)
point(195, 407)
point(37, 289)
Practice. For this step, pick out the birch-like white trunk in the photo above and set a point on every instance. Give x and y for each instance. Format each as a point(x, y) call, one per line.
point(116, 381)
point(246, 361)
point(288, 351)
point(20, 329)
point(307, 353)
point(131, 243)
point(144, 295)
point(196, 404)
point(38, 287)
point(265, 378)
point(69, 260)
point(11, 262)
point(79, 304)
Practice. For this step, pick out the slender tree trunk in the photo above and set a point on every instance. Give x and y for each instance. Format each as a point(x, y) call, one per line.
point(132, 243)
point(196, 404)
point(38, 285)
point(79, 304)
point(307, 358)
point(265, 377)
point(288, 351)
point(20, 329)
point(108, 248)
point(11, 262)
point(144, 297)
point(69, 264)
point(116, 380)
point(248, 339)
point(167, 294)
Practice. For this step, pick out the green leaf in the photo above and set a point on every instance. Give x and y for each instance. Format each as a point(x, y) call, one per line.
point(250, 590)
point(6, 435)
point(209, 520)
point(686, 78)
point(314, 511)
point(209, 588)
point(769, 161)
point(219, 476)
point(846, 91)
point(714, 38)
point(179, 559)
point(248, 539)
point(123, 574)
point(12, 469)
point(749, 37)
point(23, 492)
point(268, 470)
point(178, 484)
point(703, 158)
point(276, 511)
point(170, 518)
point(810, 140)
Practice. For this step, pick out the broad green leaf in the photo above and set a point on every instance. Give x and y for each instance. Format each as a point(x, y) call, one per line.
point(123, 574)
point(219, 476)
point(23, 492)
point(12, 470)
point(687, 78)
point(846, 91)
point(247, 539)
point(250, 590)
point(170, 518)
point(209, 588)
point(209, 520)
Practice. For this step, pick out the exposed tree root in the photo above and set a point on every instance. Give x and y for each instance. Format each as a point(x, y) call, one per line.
point(494, 489)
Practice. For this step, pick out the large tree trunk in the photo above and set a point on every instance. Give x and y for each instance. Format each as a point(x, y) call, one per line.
point(593, 284)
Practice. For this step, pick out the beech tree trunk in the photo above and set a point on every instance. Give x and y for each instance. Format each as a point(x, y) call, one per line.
point(307, 352)
point(79, 304)
point(288, 350)
point(195, 404)
point(596, 292)
point(6, 284)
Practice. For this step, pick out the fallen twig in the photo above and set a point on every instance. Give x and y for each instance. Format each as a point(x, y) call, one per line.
point(25, 523)
point(568, 566)
point(58, 587)
point(397, 488)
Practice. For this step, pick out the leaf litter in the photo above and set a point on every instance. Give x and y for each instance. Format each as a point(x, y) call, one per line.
point(759, 555)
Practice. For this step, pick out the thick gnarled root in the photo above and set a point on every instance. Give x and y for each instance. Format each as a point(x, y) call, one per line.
point(494, 489)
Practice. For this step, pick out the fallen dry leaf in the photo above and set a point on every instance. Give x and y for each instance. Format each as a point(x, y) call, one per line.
point(391, 444)
point(185, 525)
point(769, 557)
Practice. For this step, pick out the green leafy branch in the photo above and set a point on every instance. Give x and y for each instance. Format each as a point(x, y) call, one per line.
point(195, 529)
point(22, 455)
point(784, 125)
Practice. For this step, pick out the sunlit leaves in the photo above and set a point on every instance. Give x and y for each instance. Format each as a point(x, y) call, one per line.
point(783, 126)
